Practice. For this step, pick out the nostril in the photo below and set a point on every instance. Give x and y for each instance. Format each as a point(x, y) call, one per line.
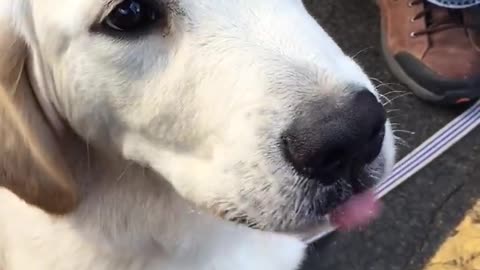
point(374, 145)
point(287, 145)
point(310, 162)
point(295, 154)
point(378, 131)
point(333, 160)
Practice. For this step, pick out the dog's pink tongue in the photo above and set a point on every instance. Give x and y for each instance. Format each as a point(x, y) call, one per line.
point(356, 212)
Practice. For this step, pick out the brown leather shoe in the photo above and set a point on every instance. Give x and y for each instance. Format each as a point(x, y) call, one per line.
point(433, 50)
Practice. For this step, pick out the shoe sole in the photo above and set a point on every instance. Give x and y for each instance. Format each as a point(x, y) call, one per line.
point(452, 97)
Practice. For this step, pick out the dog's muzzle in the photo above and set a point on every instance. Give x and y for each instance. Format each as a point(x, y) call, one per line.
point(335, 140)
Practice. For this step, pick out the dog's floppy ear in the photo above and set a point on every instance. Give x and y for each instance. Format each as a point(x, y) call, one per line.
point(31, 161)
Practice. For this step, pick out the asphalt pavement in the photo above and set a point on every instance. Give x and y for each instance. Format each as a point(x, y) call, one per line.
point(420, 214)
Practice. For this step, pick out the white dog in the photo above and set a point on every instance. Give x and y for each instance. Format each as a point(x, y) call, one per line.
point(178, 134)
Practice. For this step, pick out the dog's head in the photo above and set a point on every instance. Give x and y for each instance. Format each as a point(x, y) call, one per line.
point(246, 107)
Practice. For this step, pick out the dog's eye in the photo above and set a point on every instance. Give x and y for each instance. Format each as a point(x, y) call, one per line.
point(134, 15)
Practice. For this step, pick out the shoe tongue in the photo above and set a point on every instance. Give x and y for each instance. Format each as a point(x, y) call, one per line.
point(441, 15)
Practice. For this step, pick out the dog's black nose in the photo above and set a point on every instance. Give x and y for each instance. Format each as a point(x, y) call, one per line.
point(333, 140)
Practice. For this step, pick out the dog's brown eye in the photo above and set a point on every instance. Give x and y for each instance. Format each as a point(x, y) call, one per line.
point(134, 15)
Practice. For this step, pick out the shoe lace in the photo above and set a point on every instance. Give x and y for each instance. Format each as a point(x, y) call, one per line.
point(454, 20)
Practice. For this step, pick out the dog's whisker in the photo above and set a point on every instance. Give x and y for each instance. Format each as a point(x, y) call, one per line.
point(403, 131)
point(400, 141)
point(402, 96)
point(387, 100)
point(380, 83)
point(89, 167)
point(361, 51)
point(376, 80)
point(393, 111)
point(389, 86)
point(385, 96)
point(122, 174)
point(395, 92)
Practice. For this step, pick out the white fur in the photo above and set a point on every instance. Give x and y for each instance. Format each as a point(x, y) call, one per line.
point(201, 104)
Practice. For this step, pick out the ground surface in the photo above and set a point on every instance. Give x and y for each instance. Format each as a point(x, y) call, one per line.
point(422, 213)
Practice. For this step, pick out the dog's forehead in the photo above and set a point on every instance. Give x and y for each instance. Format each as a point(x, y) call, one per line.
point(75, 16)
point(89, 9)
point(67, 16)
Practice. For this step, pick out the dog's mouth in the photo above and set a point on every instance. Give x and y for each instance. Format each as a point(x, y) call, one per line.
point(308, 206)
point(346, 205)
point(357, 211)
